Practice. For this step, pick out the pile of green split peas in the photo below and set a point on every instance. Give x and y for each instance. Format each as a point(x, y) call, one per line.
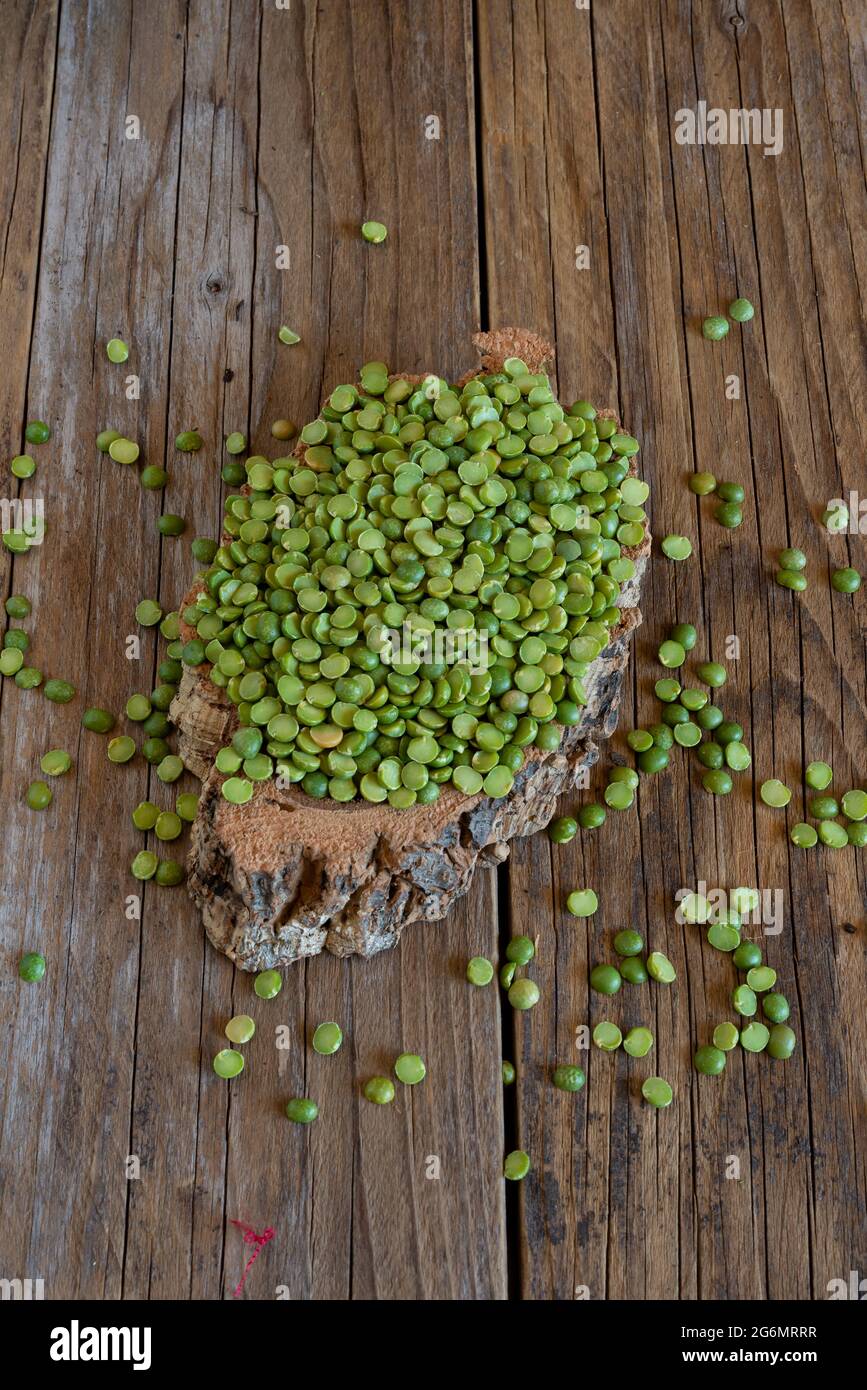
point(484, 512)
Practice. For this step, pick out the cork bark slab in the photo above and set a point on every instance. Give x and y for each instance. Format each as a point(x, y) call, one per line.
point(287, 875)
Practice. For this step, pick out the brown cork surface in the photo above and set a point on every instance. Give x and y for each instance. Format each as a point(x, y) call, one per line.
point(495, 347)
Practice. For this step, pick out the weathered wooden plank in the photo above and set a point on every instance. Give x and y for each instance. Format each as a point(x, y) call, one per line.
point(718, 260)
point(404, 1202)
point(817, 312)
point(568, 1218)
point(27, 67)
point(616, 1182)
point(791, 699)
point(540, 164)
point(177, 1218)
point(106, 240)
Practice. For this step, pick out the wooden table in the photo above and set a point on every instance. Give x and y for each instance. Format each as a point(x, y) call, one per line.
point(495, 140)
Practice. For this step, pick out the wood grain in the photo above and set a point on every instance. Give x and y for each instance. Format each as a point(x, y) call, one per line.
point(106, 241)
point(262, 129)
point(628, 1203)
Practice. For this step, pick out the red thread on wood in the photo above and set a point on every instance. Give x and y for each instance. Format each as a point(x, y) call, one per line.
point(251, 1237)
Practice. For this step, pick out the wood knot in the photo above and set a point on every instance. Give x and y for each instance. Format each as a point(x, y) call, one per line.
point(214, 283)
point(733, 16)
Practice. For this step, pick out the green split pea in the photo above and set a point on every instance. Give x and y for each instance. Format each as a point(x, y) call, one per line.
point(374, 231)
point(568, 1078)
point(302, 1110)
point(379, 1090)
point(31, 967)
point(480, 971)
point(657, 1092)
point(327, 1038)
point(240, 1029)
